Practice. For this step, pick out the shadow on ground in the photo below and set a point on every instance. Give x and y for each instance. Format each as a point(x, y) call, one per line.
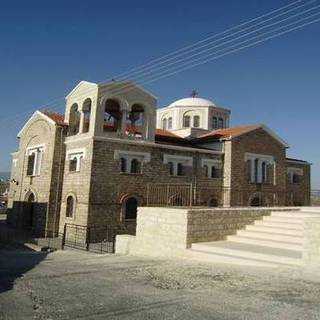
point(15, 261)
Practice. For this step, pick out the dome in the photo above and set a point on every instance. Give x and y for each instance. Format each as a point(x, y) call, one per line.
point(192, 102)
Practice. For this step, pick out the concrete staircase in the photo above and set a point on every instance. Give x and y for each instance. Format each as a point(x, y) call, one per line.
point(273, 241)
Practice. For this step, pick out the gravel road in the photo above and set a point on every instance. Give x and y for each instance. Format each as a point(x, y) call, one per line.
point(81, 285)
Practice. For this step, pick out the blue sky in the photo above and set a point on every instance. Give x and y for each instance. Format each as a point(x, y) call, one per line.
point(47, 47)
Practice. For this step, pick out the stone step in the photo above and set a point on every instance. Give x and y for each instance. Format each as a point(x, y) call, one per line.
point(275, 230)
point(283, 219)
point(271, 236)
point(210, 257)
point(294, 214)
point(266, 243)
point(277, 224)
point(250, 252)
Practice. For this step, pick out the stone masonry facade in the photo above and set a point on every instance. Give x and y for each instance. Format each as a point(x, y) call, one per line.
point(105, 157)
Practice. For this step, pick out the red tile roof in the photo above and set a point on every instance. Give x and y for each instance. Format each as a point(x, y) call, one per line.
point(56, 117)
point(229, 132)
point(165, 133)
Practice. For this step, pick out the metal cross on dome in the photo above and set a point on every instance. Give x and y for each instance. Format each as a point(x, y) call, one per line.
point(194, 93)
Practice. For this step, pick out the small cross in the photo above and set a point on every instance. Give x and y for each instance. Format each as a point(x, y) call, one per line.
point(194, 93)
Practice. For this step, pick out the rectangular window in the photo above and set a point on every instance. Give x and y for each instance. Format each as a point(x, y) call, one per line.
point(177, 165)
point(75, 158)
point(30, 166)
point(212, 168)
point(34, 161)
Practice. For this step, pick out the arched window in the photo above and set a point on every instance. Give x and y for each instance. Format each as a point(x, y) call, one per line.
point(86, 109)
point(206, 169)
point(73, 164)
point(130, 208)
point(214, 123)
point(196, 121)
point(74, 120)
point(248, 170)
point(136, 121)
point(256, 170)
point(213, 203)
point(70, 207)
point(135, 166)
point(220, 123)
point(164, 123)
point(170, 123)
point(123, 164)
point(264, 172)
point(171, 168)
point(112, 116)
point(186, 121)
point(214, 172)
point(180, 169)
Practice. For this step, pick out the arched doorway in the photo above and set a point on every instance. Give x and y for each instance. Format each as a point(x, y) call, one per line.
point(130, 208)
point(213, 202)
point(29, 210)
point(255, 200)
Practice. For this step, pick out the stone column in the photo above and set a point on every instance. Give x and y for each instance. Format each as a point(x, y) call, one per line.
point(81, 125)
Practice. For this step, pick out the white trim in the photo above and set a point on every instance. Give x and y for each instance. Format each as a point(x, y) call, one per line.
point(32, 148)
point(77, 151)
point(144, 156)
point(35, 114)
point(210, 162)
point(188, 161)
point(263, 157)
point(299, 162)
point(298, 171)
point(152, 144)
point(79, 85)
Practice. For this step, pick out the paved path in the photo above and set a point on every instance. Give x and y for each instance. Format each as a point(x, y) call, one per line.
point(80, 285)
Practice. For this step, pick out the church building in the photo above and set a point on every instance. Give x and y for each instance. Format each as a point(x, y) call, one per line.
point(113, 150)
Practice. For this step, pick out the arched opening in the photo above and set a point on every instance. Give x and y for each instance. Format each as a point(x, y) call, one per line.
point(112, 116)
point(135, 121)
point(214, 123)
point(264, 172)
point(220, 123)
point(130, 208)
point(171, 168)
point(86, 109)
point(255, 201)
point(186, 121)
point(135, 166)
point(213, 203)
point(206, 170)
point(123, 164)
point(180, 171)
point(196, 121)
point(164, 123)
point(30, 210)
point(70, 207)
point(74, 120)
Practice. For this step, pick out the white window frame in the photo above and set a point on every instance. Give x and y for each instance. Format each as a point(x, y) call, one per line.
point(38, 155)
point(175, 160)
point(79, 155)
point(143, 157)
point(292, 170)
point(211, 163)
point(269, 160)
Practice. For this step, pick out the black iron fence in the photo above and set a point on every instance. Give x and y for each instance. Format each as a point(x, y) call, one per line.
point(99, 239)
point(188, 194)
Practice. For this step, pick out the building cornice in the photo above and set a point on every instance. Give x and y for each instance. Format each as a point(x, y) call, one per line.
point(143, 143)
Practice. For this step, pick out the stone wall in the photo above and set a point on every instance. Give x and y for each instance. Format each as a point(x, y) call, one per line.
point(259, 142)
point(163, 231)
point(311, 245)
point(299, 193)
point(38, 131)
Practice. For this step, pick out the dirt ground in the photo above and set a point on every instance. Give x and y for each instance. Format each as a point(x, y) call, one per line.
point(81, 285)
